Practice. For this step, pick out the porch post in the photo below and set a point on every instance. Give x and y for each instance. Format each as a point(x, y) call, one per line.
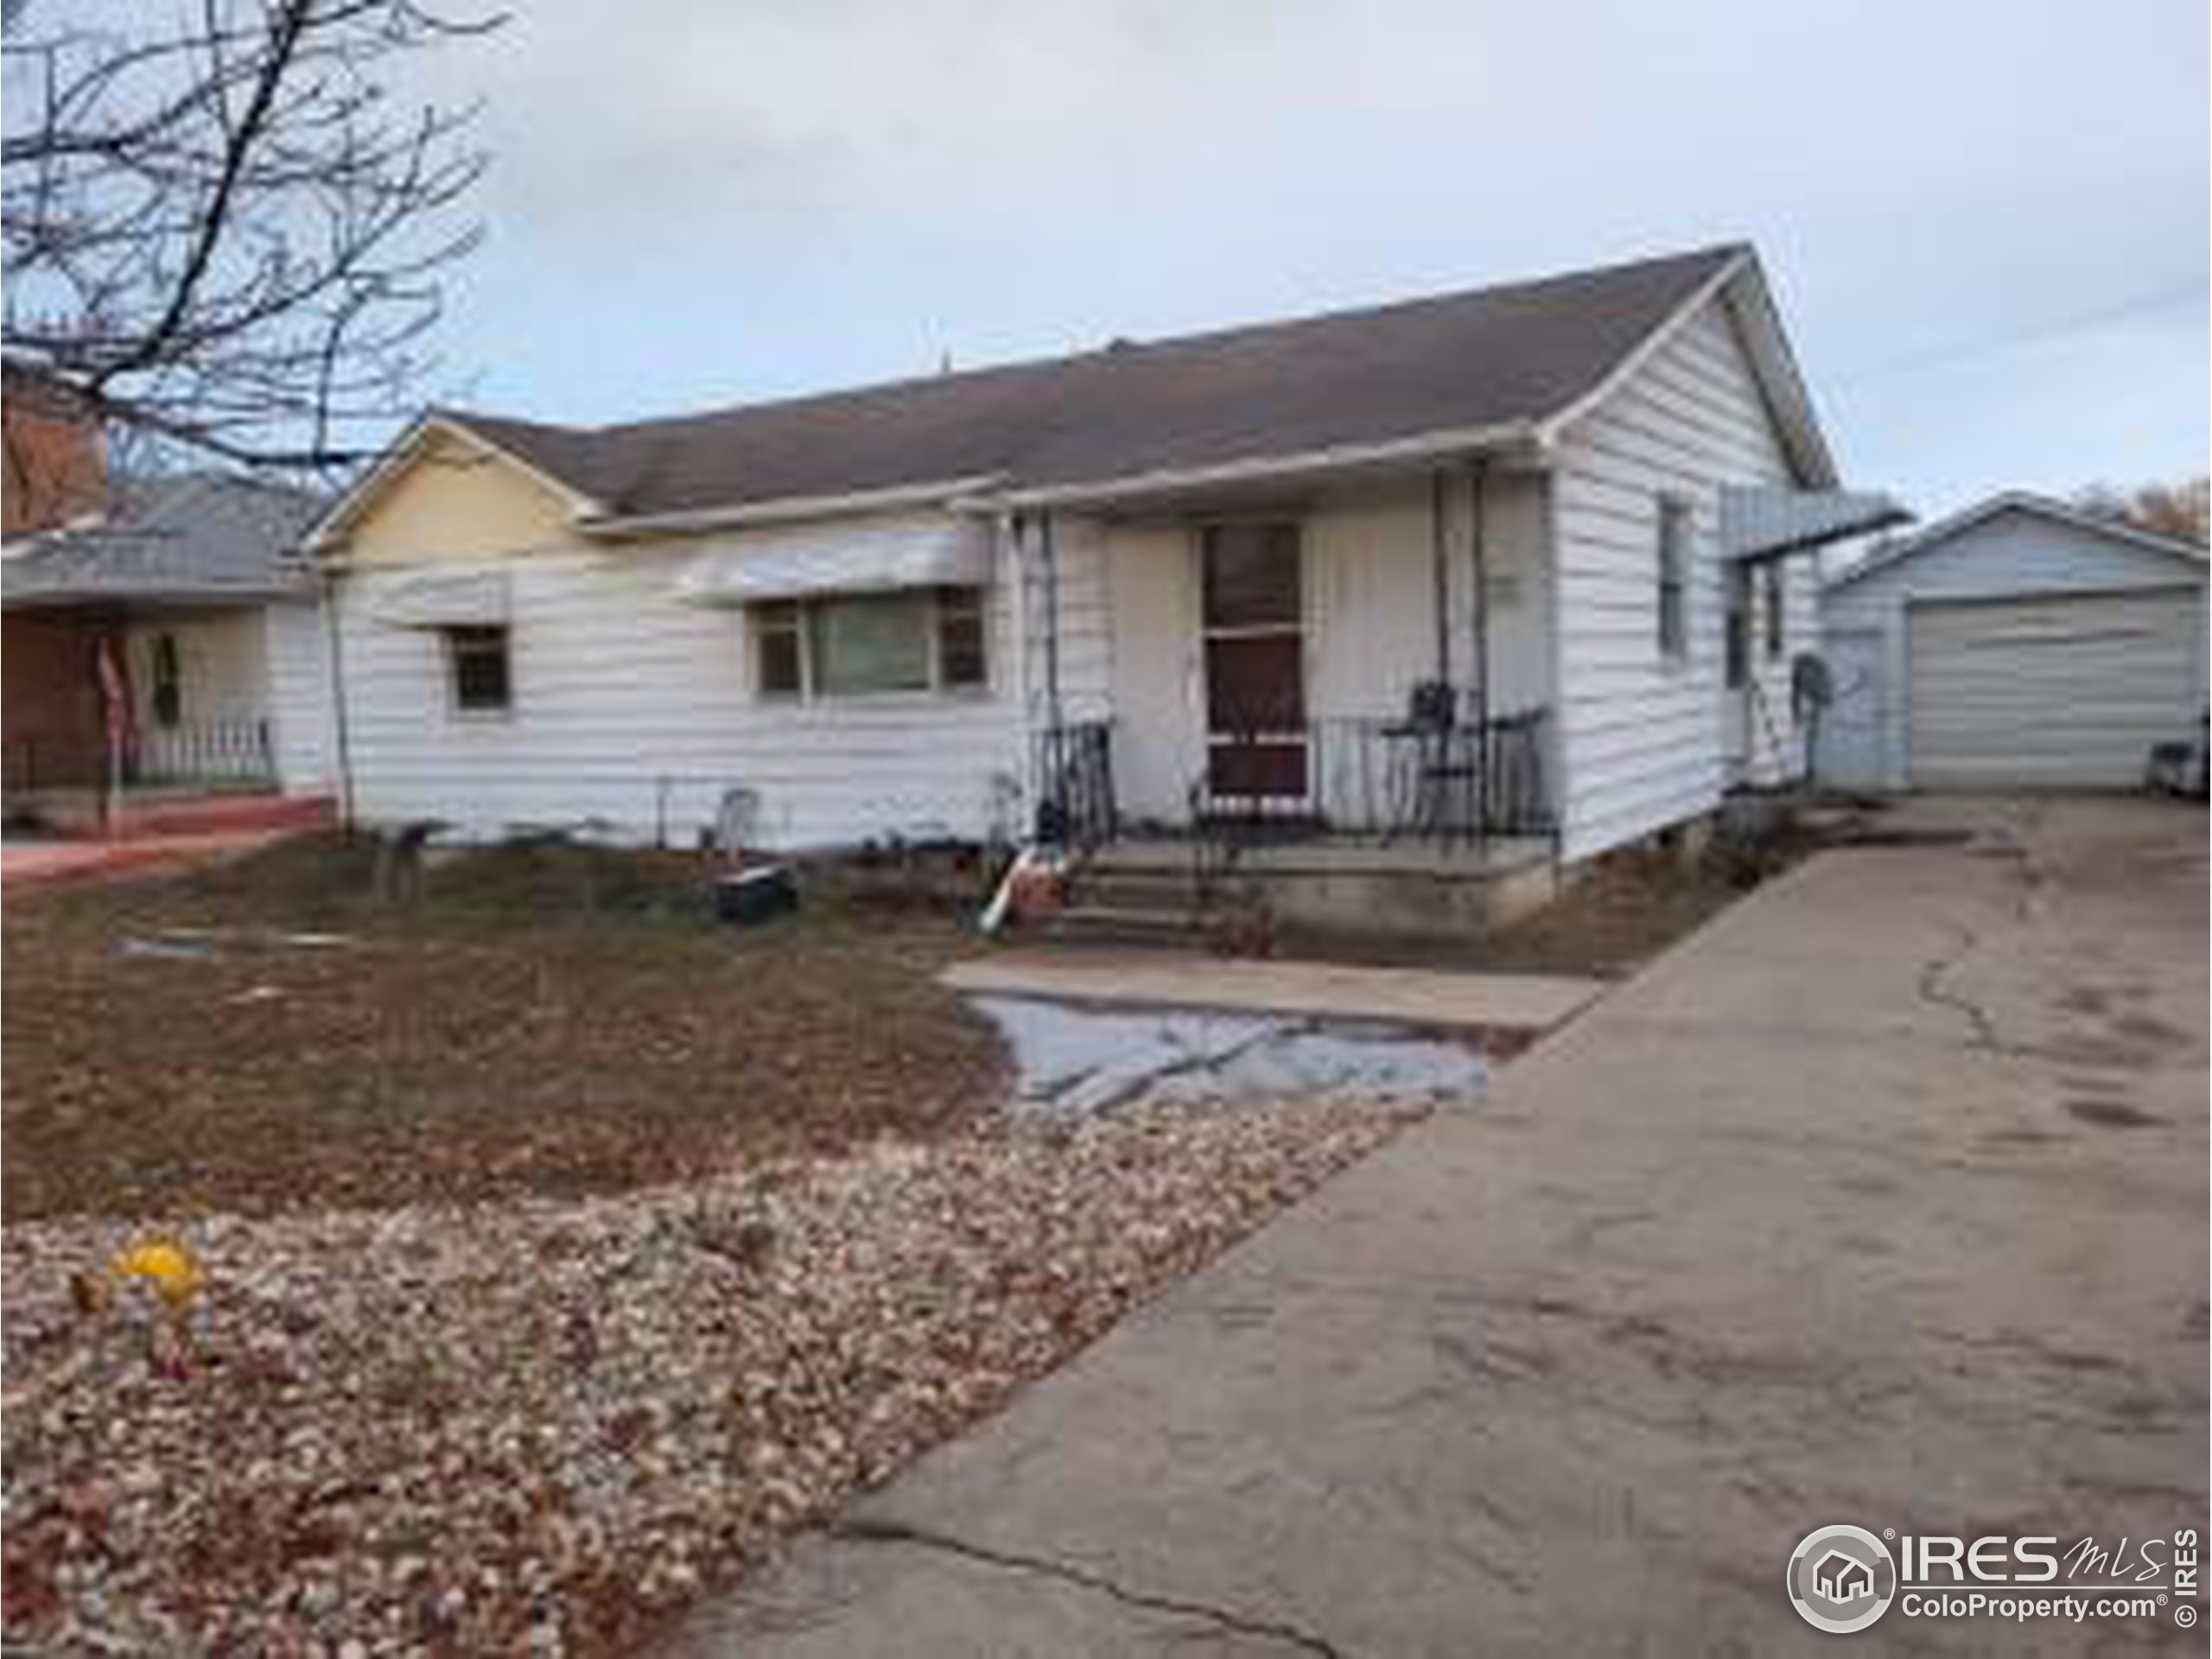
point(1440, 557)
point(1049, 553)
point(1478, 668)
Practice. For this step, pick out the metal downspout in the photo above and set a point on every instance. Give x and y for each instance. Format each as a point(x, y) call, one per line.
point(341, 730)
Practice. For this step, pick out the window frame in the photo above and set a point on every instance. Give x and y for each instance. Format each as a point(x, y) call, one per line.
point(1774, 610)
point(782, 618)
point(942, 606)
point(1674, 565)
point(454, 647)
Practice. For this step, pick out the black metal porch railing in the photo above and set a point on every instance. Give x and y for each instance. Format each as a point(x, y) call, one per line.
point(1434, 782)
point(235, 752)
point(1075, 773)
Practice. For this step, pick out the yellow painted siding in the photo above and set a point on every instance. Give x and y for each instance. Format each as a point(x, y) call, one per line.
point(455, 501)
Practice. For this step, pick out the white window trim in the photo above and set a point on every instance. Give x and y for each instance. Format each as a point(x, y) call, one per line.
point(809, 694)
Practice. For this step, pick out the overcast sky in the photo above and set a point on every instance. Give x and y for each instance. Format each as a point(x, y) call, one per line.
point(1986, 219)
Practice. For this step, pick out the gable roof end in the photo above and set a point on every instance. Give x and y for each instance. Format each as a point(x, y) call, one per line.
point(2021, 501)
point(1741, 285)
point(522, 444)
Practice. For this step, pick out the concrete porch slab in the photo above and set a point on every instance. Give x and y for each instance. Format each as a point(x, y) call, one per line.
point(1332, 990)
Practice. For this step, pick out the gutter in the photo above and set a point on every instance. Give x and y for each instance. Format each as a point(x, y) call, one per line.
point(792, 509)
point(1422, 447)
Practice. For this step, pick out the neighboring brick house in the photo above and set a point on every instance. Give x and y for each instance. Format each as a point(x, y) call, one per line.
point(55, 465)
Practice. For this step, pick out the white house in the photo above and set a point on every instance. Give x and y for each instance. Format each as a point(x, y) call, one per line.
point(1526, 565)
point(2020, 643)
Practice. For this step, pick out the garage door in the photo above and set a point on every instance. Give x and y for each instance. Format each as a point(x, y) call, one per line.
point(2059, 692)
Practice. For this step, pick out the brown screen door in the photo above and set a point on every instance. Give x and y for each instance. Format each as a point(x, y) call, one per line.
point(1254, 620)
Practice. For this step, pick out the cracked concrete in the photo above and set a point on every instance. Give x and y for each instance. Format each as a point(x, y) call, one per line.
point(1224, 1620)
point(1804, 1224)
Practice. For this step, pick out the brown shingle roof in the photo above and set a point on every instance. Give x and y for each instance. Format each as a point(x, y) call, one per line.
point(1492, 356)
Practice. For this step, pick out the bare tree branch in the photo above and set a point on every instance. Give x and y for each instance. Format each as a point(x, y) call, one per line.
point(224, 230)
point(2183, 509)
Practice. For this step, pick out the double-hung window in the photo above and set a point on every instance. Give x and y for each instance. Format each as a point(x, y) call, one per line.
point(479, 672)
point(871, 645)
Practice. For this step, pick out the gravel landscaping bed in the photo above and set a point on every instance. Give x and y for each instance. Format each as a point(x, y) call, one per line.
point(545, 1425)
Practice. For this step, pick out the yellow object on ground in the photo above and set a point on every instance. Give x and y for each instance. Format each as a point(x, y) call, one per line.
point(168, 1267)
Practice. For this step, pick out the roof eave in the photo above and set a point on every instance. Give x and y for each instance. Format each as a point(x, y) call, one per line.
point(1965, 518)
point(1517, 436)
point(785, 510)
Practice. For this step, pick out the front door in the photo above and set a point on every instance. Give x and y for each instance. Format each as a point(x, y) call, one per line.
point(1252, 615)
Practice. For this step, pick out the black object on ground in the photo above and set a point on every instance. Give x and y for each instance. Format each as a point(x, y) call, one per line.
point(755, 894)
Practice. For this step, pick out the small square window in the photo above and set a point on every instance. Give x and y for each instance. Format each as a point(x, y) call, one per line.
point(477, 660)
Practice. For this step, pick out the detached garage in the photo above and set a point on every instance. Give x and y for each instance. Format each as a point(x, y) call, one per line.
point(2020, 645)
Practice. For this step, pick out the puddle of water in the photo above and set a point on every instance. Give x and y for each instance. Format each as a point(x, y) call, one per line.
point(1070, 1060)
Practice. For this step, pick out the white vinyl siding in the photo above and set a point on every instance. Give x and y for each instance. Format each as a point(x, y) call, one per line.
point(637, 708)
point(1644, 739)
point(300, 697)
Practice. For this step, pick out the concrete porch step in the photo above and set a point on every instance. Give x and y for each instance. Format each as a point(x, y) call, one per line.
point(1140, 889)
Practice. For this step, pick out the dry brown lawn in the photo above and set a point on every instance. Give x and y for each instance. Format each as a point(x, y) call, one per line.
point(553, 1020)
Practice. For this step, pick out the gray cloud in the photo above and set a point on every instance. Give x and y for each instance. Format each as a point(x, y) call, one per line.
point(1988, 221)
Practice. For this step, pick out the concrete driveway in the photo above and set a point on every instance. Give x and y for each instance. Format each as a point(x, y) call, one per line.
point(1883, 1200)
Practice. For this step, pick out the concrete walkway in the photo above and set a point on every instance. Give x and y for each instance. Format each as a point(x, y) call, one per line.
point(1883, 1200)
point(1181, 980)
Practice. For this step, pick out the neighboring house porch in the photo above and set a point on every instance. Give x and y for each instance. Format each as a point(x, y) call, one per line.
point(172, 649)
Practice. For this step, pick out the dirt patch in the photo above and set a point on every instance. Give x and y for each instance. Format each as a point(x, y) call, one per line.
point(548, 1019)
point(1618, 914)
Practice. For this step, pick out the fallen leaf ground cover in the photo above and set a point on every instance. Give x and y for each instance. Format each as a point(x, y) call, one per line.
point(555, 1251)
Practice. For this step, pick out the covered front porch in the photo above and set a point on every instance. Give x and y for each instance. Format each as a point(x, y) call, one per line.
point(1327, 699)
point(1363, 660)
